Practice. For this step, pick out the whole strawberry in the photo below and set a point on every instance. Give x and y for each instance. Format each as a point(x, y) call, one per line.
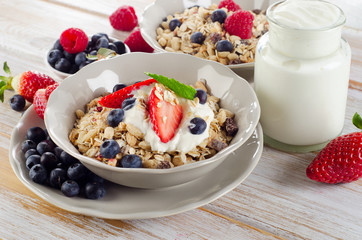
point(26, 83)
point(29, 82)
point(341, 160)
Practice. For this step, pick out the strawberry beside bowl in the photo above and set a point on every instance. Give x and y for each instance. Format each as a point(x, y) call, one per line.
point(152, 22)
point(100, 77)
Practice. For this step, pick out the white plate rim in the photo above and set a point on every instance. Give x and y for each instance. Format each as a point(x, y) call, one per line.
point(47, 194)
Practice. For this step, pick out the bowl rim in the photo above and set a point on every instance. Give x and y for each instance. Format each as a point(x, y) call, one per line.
point(158, 48)
point(63, 74)
point(221, 154)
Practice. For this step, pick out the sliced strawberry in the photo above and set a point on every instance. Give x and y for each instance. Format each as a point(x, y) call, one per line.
point(40, 102)
point(49, 89)
point(115, 99)
point(165, 115)
point(31, 81)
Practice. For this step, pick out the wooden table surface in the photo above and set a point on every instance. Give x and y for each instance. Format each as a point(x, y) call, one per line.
point(277, 201)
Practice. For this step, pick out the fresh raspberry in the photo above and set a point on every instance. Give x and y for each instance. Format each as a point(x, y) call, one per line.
point(136, 42)
point(341, 160)
point(229, 5)
point(240, 23)
point(124, 18)
point(74, 40)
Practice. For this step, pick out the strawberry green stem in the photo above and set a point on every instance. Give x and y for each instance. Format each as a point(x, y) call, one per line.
point(5, 81)
point(357, 120)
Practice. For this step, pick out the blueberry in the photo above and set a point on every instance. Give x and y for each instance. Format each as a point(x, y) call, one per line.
point(31, 152)
point(69, 56)
point(92, 177)
point(121, 47)
point(80, 57)
point(94, 190)
point(119, 86)
point(53, 56)
point(63, 65)
point(45, 146)
point(77, 172)
point(84, 64)
point(57, 45)
point(128, 103)
point(131, 161)
point(197, 37)
point(102, 42)
point(197, 126)
point(224, 46)
point(95, 38)
point(67, 159)
point(70, 188)
point(218, 15)
point(93, 52)
point(56, 177)
point(115, 117)
point(17, 102)
point(73, 69)
point(38, 174)
point(113, 47)
point(89, 46)
point(104, 35)
point(58, 151)
point(31, 161)
point(174, 23)
point(36, 134)
point(28, 144)
point(109, 148)
point(202, 95)
point(49, 160)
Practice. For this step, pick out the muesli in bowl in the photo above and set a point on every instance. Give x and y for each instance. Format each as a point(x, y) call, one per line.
point(78, 90)
point(157, 123)
point(222, 32)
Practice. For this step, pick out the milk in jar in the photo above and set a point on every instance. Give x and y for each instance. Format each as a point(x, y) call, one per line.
point(301, 75)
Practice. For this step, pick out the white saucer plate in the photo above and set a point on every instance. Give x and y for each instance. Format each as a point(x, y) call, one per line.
point(133, 203)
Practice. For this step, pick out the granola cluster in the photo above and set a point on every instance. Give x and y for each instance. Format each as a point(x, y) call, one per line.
point(198, 19)
point(91, 130)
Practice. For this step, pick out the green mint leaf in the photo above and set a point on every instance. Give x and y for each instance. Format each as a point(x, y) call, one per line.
point(6, 68)
point(180, 89)
point(357, 120)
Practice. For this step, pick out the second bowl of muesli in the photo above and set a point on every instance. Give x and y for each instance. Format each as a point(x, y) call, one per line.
point(224, 31)
point(152, 120)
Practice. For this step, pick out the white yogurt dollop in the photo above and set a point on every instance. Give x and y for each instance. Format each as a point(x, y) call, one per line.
point(183, 140)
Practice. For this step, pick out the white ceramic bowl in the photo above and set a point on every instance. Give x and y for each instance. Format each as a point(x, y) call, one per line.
point(63, 75)
point(91, 81)
point(155, 12)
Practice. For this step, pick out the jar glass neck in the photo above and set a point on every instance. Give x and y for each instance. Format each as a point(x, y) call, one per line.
point(296, 31)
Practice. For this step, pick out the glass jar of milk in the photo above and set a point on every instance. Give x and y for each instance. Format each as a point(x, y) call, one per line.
point(301, 75)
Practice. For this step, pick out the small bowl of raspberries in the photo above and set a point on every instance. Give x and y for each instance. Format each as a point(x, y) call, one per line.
point(74, 50)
